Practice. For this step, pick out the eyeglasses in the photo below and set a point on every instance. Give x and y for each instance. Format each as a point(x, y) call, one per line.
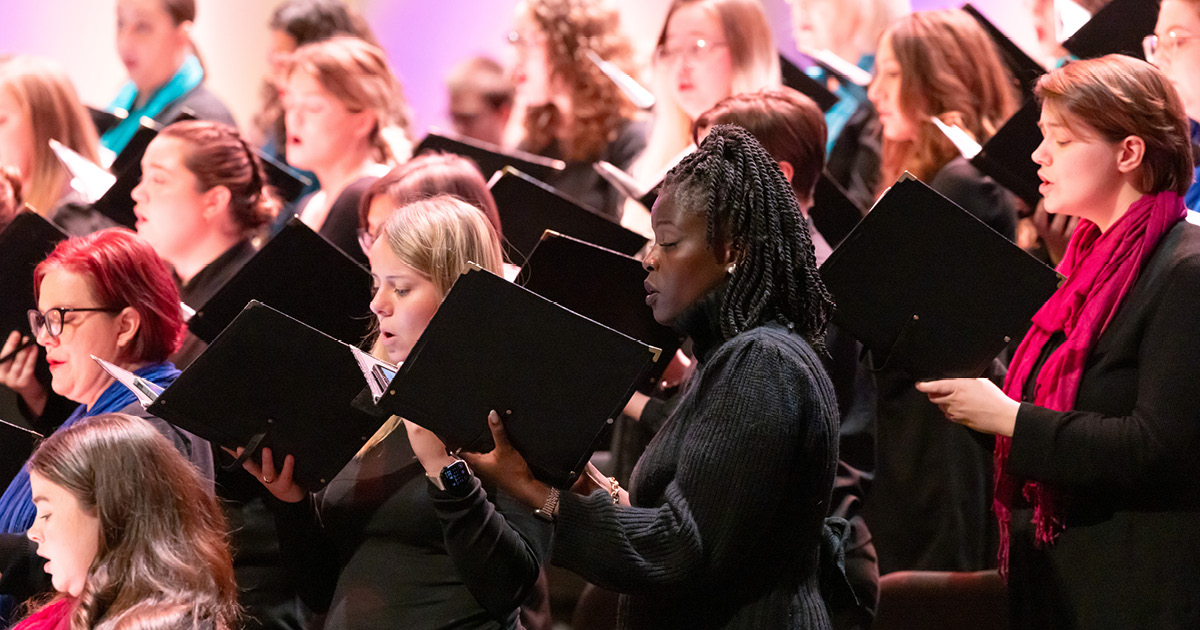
point(696, 51)
point(517, 39)
point(52, 320)
point(1163, 48)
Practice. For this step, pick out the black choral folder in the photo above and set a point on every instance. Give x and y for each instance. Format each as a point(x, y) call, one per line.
point(489, 157)
point(1024, 69)
point(302, 274)
point(931, 290)
point(833, 213)
point(557, 378)
point(602, 285)
point(1118, 27)
point(117, 202)
point(24, 243)
point(529, 207)
point(797, 79)
point(1007, 157)
point(271, 381)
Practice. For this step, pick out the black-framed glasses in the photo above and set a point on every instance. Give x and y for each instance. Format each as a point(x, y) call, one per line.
point(52, 320)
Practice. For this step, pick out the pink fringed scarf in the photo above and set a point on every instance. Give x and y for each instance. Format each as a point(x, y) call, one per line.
point(1100, 269)
point(53, 616)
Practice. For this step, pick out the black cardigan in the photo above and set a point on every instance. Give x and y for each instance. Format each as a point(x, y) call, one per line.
point(1128, 457)
point(729, 498)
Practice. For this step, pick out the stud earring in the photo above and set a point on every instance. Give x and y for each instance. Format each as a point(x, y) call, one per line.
point(732, 267)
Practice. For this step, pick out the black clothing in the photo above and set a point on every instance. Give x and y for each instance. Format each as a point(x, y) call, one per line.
point(581, 182)
point(204, 105)
point(205, 284)
point(930, 504)
point(341, 224)
point(857, 155)
point(1126, 460)
point(730, 498)
point(379, 547)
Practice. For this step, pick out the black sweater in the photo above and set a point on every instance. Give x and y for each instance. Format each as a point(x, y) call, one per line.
point(729, 498)
point(379, 547)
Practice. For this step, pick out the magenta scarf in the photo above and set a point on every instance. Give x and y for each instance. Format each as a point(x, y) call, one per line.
point(1100, 269)
point(53, 616)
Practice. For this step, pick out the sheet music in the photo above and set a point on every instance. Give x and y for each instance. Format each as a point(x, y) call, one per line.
point(378, 373)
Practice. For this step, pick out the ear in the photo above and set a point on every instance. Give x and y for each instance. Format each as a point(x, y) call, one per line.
point(216, 201)
point(1130, 153)
point(129, 321)
point(185, 31)
point(366, 121)
point(787, 169)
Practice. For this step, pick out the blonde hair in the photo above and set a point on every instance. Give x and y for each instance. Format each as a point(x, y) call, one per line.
point(755, 63)
point(52, 106)
point(358, 74)
point(437, 237)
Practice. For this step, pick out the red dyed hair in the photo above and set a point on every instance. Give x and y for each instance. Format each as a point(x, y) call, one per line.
point(123, 270)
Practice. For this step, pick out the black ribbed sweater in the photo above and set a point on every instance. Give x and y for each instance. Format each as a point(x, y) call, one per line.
point(728, 499)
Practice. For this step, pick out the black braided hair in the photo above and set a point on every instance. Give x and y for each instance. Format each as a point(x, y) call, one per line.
point(752, 211)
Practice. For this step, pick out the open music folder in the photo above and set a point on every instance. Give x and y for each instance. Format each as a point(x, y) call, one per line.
point(930, 289)
point(272, 381)
point(557, 378)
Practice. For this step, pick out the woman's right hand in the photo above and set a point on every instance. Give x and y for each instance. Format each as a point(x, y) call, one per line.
point(17, 373)
point(1055, 231)
point(281, 485)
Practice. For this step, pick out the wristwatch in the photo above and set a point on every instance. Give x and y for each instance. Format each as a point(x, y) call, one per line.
point(549, 510)
point(453, 478)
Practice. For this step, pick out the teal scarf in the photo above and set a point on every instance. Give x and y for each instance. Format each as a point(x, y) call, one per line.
point(187, 77)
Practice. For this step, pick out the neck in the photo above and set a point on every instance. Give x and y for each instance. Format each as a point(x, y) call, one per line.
point(89, 399)
point(1125, 198)
point(144, 92)
point(351, 165)
point(208, 249)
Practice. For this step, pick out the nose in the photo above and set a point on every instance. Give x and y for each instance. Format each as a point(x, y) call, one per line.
point(43, 337)
point(138, 194)
point(35, 532)
point(1040, 155)
point(380, 305)
point(874, 93)
point(650, 260)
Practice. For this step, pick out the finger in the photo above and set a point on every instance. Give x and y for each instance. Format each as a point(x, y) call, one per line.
point(10, 344)
point(268, 466)
point(249, 464)
point(289, 467)
point(498, 434)
point(936, 388)
point(26, 361)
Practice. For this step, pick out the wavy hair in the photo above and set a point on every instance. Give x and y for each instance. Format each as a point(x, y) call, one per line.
point(163, 560)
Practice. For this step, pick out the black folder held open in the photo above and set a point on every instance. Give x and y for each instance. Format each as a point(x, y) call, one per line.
point(1118, 27)
point(929, 289)
point(557, 378)
point(24, 243)
point(602, 285)
point(302, 274)
point(489, 157)
point(271, 381)
point(529, 207)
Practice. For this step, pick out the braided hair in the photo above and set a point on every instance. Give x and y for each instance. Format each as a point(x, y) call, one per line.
point(752, 212)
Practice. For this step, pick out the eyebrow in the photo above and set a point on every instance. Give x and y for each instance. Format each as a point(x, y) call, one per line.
point(39, 499)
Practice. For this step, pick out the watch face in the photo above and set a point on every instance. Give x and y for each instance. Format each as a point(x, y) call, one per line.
point(456, 474)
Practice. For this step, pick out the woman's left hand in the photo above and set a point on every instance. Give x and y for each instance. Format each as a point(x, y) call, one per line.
point(506, 468)
point(429, 448)
point(974, 402)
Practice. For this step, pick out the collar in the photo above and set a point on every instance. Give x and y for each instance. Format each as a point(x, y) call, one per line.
point(701, 322)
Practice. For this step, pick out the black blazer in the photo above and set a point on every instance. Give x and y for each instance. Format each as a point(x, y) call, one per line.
point(1128, 458)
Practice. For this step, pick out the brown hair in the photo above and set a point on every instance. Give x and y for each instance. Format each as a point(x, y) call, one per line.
point(11, 200)
point(572, 28)
point(218, 156)
point(1118, 97)
point(52, 106)
point(788, 124)
point(485, 76)
point(755, 62)
point(948, 67)
point(163, 560)
point(305, 21)
point(358, 74)
point(429, 175)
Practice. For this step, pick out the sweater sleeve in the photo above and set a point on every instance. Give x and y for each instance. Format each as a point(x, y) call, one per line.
point(1158, 440)
point(307, 551)
point(497, 552)
point(738, 449)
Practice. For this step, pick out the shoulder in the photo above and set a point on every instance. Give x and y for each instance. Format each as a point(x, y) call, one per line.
point(960, 182)
point(1177, 257)
point(778, 353)
point(355, 191)
point(205, 105)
